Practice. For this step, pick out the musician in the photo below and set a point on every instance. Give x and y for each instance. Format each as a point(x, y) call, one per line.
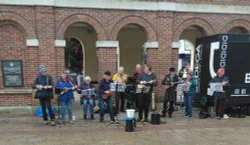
point(220, 96)
point(66, 96)
point(136, 74)
point(147, 79)
point(44, 92)
point(170, 81)
point(87, 95)
point(105, 96)
point(191, 83)
point(120, 77)
point(137, 71)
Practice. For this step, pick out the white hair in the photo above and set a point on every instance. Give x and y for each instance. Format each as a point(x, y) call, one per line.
point(121, 68)
point(87, 78)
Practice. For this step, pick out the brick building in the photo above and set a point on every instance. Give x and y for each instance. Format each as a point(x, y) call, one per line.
point(35, 32)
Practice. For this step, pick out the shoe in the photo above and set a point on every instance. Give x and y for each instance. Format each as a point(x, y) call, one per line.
point(45, 122)
point(186, 115)
point(139, 120)
point(101, 121)
point(169, 115)
point(145, 120)
point(92, 116)
point(71, 122)
point(85, 117)
point(53, 123)
point(163, 115)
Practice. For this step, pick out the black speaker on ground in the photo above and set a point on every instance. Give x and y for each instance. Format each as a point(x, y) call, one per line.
point(155, 118)
point(129, 126)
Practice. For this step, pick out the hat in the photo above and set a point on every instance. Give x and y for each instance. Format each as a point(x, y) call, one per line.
point(172, 69)
point(108, 73)
point(42, 68)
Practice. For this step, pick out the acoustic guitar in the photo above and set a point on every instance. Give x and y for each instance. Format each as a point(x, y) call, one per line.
point(105, 96)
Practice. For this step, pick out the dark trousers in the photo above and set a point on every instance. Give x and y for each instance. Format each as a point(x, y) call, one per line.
point(120, 96)
point(143, 105)
point(220, 107)
point(46, 102)
point(169, 109)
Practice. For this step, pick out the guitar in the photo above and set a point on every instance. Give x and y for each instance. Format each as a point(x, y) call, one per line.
point(39, 88)
point(105, 96)
point(66, 90)
point(172, 84)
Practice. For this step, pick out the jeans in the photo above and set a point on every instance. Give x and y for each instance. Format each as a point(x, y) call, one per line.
point(188, 101)
point(169, 109)
point(220, 107)
point(109, 106)
point(144, 104)
point(88, 103)
point(66, 105)
point(46, 102)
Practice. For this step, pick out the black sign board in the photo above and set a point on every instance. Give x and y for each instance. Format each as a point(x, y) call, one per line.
point(12, 73)
point(228, 51)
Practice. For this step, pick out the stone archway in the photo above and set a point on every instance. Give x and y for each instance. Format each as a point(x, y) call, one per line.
point(244, 25)
point(143, 23)
point(79, 18)
point(196, 22)
point(18, 21)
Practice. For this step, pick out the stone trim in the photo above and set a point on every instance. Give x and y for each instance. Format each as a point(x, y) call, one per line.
point(60, 43)
point(16, 91)
point(32, 42)
point(108, 44)
point(135, 5)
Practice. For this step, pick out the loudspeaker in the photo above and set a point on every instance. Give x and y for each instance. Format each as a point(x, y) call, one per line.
point(129, 126)
point(155, 118)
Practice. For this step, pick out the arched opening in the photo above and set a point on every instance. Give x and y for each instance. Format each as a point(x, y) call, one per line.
point(74, 55)
point(238, 30)
point(80, 50)
point(131, 40)
point(187, 42)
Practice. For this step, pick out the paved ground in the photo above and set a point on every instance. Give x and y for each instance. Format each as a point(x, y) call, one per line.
point(29, 130)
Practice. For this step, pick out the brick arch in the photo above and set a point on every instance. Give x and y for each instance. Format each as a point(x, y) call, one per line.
point(18, 21)
point(78, 18)
point(197, 22)
point(141, 22)
point(240, 23)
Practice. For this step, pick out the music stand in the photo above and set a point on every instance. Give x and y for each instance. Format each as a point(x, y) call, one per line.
point(116, 110)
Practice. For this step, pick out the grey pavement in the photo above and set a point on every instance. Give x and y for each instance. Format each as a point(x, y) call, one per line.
point(21, 129)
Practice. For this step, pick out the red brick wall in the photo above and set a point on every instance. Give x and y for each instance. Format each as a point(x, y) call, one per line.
point(106, 61)
point(18, 23)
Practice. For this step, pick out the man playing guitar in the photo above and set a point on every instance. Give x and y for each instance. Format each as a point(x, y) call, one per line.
point(170, 81)
point(105, 96)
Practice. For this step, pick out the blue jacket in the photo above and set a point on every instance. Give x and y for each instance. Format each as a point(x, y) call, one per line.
point(61, 84)
point(44, 80)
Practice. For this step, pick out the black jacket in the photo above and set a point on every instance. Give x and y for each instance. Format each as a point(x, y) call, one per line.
point(170, 93)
